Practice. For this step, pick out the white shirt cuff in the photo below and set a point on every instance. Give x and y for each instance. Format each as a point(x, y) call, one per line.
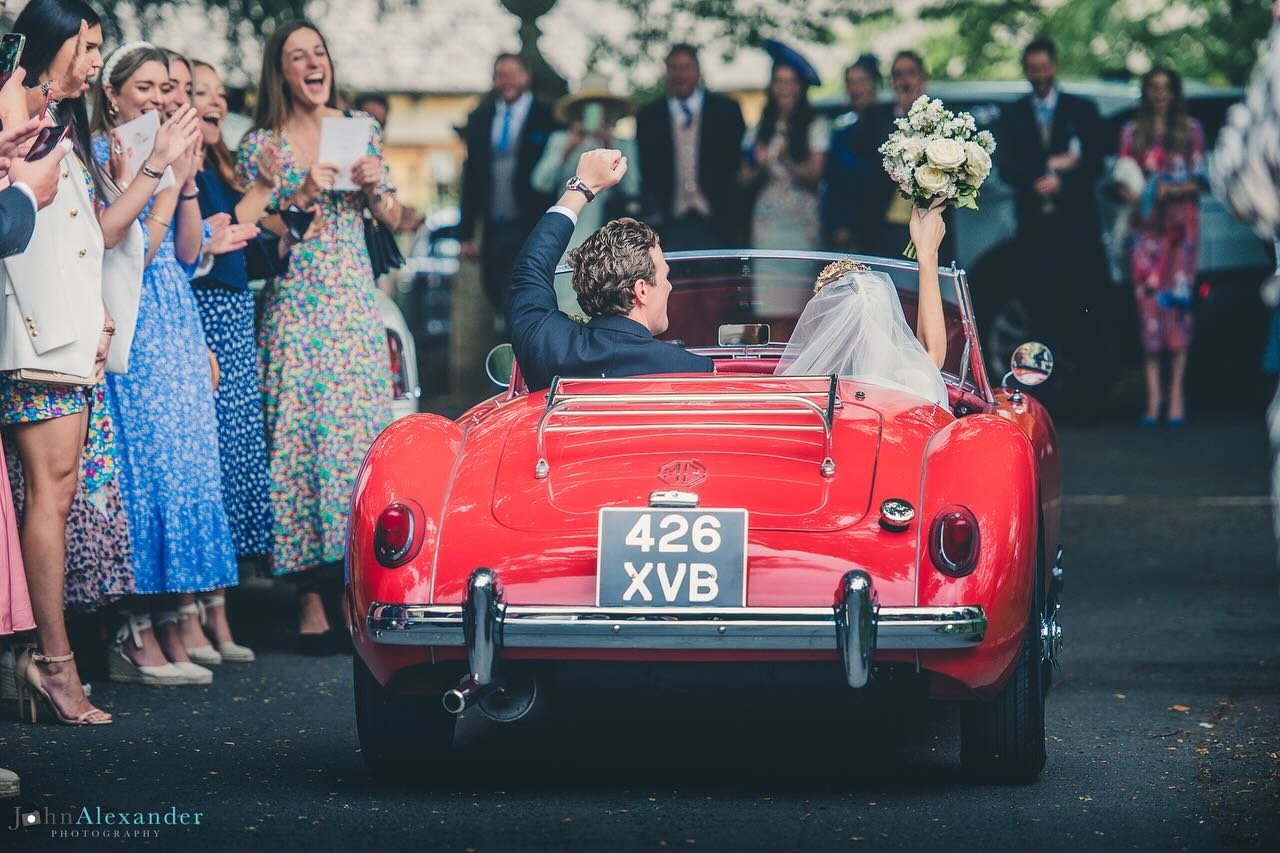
point(26, 190)
point(564, 211)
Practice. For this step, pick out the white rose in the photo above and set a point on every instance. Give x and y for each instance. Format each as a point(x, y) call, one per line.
point(911, 149)
point(945, 154)
point(930, 180)
point(977, 161)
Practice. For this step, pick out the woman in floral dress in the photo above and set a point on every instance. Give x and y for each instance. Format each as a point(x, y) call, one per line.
point(1169, 146)
point(323, 345)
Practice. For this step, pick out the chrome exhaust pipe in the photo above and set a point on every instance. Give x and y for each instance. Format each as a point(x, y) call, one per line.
point(465, 695)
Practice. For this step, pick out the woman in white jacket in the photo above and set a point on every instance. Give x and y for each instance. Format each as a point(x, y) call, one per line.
point(52, 319)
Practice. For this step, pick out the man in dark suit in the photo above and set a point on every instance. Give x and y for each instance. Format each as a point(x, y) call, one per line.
point(690, 143)
point(505, 136)
point(1050, 150)
point(620, 278)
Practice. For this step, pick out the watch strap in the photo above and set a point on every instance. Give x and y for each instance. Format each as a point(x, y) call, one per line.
point(576, 183)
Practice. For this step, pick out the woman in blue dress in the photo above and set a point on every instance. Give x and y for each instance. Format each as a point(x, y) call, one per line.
point(166, 423)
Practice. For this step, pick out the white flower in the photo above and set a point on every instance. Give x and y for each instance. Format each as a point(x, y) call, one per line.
point(945, 154)
point(987, 141)
point(930, 180)
point(977, 163)
point(911, 149)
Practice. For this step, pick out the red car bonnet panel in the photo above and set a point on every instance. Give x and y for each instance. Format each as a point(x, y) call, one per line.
point(604, 458)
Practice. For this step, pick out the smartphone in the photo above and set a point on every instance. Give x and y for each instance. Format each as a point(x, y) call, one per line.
point(10, 55)
point(48, 139)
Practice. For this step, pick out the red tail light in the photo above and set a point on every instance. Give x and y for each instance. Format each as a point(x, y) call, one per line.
point(395, 354)
point(954, 541)
point(393, 538)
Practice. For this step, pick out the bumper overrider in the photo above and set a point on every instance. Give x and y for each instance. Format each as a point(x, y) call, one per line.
point(856, 625)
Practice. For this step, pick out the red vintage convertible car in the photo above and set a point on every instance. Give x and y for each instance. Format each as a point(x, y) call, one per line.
point(731, 520)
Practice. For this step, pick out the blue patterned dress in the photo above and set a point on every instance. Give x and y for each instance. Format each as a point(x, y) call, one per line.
point(167, 440)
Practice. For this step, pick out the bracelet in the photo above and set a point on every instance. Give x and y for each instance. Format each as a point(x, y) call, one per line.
point(195, 195)
point(150, 172)
point(109, 329)
point(158, 220)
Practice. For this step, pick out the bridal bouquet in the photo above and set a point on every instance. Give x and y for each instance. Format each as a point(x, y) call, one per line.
point(937, 155)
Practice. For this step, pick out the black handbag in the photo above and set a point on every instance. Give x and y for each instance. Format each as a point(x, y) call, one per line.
point(384, 254)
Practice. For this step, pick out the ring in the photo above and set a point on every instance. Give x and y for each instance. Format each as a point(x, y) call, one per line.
point(118, 148)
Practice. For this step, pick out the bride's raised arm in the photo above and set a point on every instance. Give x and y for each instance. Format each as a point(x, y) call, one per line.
point(927, 230)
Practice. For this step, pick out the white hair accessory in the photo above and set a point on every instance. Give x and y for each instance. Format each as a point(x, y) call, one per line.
point(118, 54)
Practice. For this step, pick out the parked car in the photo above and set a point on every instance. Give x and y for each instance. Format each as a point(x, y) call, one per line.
point(745, 527)
point(1230, 325)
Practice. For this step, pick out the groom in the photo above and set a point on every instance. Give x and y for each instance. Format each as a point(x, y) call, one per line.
point(620, 277)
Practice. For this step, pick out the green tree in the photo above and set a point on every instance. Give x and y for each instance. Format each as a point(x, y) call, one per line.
point(1213, 40)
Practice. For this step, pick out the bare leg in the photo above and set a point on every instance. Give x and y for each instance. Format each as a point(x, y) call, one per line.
point(1151, 368)
point(50, 455)
point(311, 615)
point(1178, 369)
point(189, 631)
point(216, 625)
point(168, 632)
point(147, 650)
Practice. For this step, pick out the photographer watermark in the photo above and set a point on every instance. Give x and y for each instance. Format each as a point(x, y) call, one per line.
point(97, 822)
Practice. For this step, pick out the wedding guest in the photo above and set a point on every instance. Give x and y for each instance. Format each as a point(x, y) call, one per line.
point(845, 166)
point(226, 312)
point(785, 156)
point(177, 93)
point(163, 406)
point(59, 282)
point(1169, 147)
point(881, 216)
point(321, 338)
point(505, 138)
point(689, 145)
point(590, 115)
point(1050, 152)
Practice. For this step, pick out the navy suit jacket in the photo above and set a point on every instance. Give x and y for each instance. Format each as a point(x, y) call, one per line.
point(548, 344)
point(17, 222)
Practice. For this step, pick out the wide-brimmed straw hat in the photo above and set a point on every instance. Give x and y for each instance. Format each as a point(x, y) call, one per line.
point(594, 87)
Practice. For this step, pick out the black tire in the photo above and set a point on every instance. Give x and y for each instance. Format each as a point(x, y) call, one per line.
point(399, 733)
point(1002, 740)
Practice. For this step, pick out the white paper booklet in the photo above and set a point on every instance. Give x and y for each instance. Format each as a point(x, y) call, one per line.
point(343, 141)
point(138, 137)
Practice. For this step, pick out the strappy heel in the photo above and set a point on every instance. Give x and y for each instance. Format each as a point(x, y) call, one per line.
point(120, 667)
point(229, 652)
point(194, 673)
point(31, 686)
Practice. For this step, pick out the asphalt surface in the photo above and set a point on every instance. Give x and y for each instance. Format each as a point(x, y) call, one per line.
point(1164, 724)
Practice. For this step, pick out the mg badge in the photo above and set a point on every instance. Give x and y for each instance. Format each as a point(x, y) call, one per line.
point(683, 472)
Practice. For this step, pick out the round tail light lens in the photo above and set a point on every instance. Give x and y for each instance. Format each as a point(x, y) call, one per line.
point(954, 541)
point(393, 537)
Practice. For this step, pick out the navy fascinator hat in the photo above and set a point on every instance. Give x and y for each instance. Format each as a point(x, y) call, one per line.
point(783, 54)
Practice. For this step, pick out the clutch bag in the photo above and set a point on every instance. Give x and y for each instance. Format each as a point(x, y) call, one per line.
point(52, 377)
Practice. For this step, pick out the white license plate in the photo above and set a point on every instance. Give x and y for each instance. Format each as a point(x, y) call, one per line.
point(672, 558)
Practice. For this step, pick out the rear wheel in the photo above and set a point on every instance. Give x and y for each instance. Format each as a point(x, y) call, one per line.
point(1002, 740)
point(398, 733)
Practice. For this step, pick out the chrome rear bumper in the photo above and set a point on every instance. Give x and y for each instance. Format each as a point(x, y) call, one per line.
point(855, 626)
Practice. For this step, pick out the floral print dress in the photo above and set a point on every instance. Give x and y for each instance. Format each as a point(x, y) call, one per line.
point(326, 384)
point(1166, 241)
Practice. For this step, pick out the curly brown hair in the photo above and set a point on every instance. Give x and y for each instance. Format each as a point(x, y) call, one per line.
point(609, 262)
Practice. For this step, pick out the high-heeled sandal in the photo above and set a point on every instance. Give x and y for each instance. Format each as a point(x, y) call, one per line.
point(230, 652)
point(194, 672)
point(206, 654)
point(31, 686)
point(120, 667)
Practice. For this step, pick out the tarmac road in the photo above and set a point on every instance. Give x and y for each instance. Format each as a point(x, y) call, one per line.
point(1164, 724)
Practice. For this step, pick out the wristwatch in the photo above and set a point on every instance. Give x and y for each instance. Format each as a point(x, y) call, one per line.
point(576, 183)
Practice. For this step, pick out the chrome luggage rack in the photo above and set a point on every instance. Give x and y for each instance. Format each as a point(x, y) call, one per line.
point(562, 403)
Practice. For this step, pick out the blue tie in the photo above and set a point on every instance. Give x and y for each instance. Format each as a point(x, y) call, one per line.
point(688, 115)
point(504, 137)
point(1046, 121)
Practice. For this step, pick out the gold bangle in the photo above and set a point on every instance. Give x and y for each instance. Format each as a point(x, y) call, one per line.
point(158, 220)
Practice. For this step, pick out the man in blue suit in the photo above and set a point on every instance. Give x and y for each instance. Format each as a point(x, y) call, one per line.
point(620, 277)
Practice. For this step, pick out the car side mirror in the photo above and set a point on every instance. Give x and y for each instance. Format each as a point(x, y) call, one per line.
point(1030, 365)
point(500, 363)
